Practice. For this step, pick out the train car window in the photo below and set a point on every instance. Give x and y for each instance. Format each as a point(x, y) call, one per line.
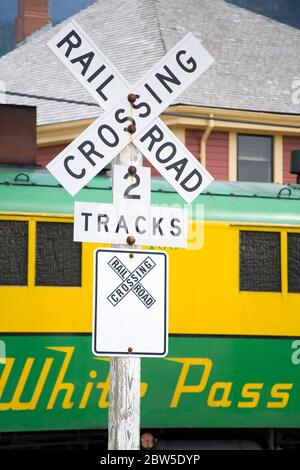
point(294, 262)
point(260, 262)
point(13, 253)
point(255, 158)
point(58, 258)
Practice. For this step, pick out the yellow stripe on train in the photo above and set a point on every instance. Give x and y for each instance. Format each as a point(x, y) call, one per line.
point(205, 296)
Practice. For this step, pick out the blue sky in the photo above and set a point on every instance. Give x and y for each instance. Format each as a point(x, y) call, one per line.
point(59, 9)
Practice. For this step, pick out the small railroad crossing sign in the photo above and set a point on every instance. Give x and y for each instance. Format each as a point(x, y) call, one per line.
point(131, 281)
point(130, 303)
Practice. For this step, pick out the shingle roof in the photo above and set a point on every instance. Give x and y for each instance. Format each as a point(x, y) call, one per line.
point(257, 59)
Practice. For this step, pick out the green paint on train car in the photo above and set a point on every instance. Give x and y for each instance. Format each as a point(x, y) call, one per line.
point(54, 382)
point(223, 201)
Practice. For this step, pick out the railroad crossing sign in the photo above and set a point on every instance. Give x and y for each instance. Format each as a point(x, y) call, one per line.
point(127, 120)
point(91, 151)
point(130, 287)
point(131, 281)
point(130, 303)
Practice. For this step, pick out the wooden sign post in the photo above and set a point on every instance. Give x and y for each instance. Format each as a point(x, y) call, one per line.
point(125, 372)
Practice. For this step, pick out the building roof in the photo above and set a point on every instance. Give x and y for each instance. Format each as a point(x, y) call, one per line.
point(257, 59)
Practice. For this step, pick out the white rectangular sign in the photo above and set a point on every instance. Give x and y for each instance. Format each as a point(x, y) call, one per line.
point(107, 136)
point(89, 65)
point(130, 303)
point(131, 189)
point(152, 226)
point(173, 161)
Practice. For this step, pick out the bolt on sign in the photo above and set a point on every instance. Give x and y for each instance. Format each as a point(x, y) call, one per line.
point(130, 286)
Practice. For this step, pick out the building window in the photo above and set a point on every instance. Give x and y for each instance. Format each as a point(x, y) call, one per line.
point(58, 258)
point(255, 158)
point(260, 265)
point(294, 262)
point(13, 253)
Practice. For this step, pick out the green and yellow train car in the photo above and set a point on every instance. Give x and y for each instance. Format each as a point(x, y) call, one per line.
point(234, 312)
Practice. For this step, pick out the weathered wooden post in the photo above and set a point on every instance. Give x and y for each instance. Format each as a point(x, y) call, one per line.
point(125, 372)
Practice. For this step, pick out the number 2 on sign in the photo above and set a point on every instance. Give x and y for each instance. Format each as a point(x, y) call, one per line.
point(134, 188)
point(128, 190)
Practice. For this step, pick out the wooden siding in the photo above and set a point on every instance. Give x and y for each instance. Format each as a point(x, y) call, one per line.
point(217, 151)
point(46, 154)
point(154, 171)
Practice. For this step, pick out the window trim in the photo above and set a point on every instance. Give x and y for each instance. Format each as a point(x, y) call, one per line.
point(32, 219)
point(283, 229)
point(277, 232)
point(287, 263)
point(18, 219)
point(35, 247)
point(272, 137)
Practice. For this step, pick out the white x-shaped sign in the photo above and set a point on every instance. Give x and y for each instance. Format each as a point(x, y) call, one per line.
point(92, 150)
point(131, 281)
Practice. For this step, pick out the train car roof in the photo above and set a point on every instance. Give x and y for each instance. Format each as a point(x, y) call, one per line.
point(34, 190)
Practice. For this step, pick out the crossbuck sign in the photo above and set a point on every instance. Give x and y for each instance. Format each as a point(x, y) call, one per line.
point(131, 281)
point(92, 150)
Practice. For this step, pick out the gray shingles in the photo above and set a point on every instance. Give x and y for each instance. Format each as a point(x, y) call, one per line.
point(256, 58)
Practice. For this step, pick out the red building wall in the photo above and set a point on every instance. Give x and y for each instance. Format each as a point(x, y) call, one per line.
point(289, 143)
point(46, 154)
point(154, 171)
point(217, 151)
point(192, 141)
